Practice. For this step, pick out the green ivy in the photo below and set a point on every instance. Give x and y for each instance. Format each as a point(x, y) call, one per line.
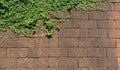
point(23, 16)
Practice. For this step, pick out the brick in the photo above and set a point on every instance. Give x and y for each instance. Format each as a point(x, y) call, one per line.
point(27, 63)
point(77, 52)
point(76, 15)
point(82, 69)
point(108, 24)
point(3, 52)
point(68, 63)
point(69, 24)
point(27, 42)
point(107, 62)
point(98, 15)
point(107, 42)
point(96, 52)
point(37, 52)
point(57, 52)
point(83, 33)
point(8, 63)
point(118, 43)
point(52, 62)
point(67, 33)
point(87, 24)
point(114, 15)
point(45, 42)
point(98, 33)
point(63, 14)
point(88, 62)
point(114, 33)
point(113, 52)
point(87, 42)
point(17, 52)
point(9, 42)
point(106, 6)
point(97, 68)
point(68, 42)
point(117, 5)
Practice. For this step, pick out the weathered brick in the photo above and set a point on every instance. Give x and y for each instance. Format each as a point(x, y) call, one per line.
point(114, 15)
point(106, 6)
point(70, 24)
point(98, 15)
point(3, 52)
point(96, 52)
point(57, 52)
point(27, 42)
point(63, 14)
point(27, 63)
point(37, 52)
point(83, 33)
point(68, 63)
point(77, 52)
point(8, 63)
point(107, 42)
point(9, 42)
point(68, 42)
point(107, 62)
point(52, 62)
point(87, 24)
point(76, 15)
point(88, 42)
point(118, 43)
point(107, 24)
point(88, 62)
point(97, 68)
point(67, 33)
point(45, 42)
point(114, 33)
point(117, 5)
point(98, 33)
point(113, 52)
point(17, 52)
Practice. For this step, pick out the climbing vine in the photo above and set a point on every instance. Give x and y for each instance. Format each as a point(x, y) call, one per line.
point(23, 16)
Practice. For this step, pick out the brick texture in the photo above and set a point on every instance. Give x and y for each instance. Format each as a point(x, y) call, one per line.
point(88, 40)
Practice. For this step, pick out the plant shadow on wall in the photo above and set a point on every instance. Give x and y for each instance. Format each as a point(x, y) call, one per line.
point(21, 16)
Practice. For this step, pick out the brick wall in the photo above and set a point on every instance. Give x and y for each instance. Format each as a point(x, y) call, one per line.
point(90, 40)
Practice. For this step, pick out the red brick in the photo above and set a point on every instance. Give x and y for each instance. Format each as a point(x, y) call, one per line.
point(8, 63)
point(88, 42)
point(118, 43)
point(45, 42)
point(96, 52)
point(68, 63)
point(87, 24)
point(77, 52)
point(68, 42)
point(98, 33)
point(88, 62)
point(79, 15)
point(3, 52)
point(67, 33)
point(17, 52)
